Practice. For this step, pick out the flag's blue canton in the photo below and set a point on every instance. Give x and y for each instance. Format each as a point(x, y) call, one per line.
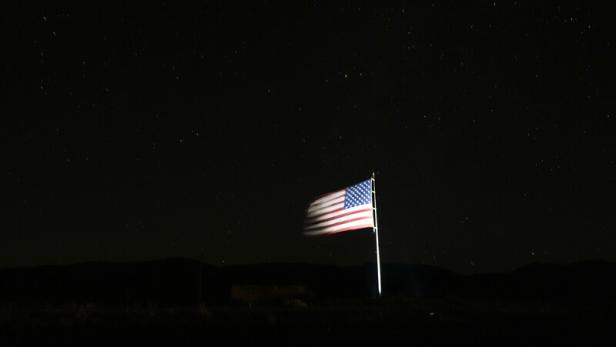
point(358, 194)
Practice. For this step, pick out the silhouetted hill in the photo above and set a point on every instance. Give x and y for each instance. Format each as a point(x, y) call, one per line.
point(173, 281)
point(583, 281)
point(177, 282)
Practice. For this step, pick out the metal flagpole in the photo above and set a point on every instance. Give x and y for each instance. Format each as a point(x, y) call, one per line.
point(376, 234)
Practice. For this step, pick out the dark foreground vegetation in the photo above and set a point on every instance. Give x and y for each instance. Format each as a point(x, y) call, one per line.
point(410, 322)
point(159, 303)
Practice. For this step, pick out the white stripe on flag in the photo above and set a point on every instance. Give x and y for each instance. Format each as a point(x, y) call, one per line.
point(326, 209)
point(329, 197)
point(359, 215)
point(325, 204)
point(337, 213)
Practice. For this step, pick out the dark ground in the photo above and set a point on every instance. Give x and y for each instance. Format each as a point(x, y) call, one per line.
point(562, 305)
point(399, 321)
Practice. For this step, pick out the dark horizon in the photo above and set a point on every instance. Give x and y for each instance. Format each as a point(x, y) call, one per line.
point(180, 282)
point(203, 132)
point(367, 263)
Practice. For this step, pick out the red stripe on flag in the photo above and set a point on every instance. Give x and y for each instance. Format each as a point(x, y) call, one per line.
point(362, 226)
point(338, 216)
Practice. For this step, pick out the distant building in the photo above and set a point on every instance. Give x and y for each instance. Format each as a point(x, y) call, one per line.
point(265, 293)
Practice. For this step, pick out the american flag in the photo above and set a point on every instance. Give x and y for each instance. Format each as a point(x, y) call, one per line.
point(342, 210)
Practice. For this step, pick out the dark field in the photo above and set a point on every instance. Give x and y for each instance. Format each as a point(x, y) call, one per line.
point(167, 303)
point(397, 321)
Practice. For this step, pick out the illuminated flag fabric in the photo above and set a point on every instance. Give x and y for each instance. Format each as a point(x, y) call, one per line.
point(342, 210)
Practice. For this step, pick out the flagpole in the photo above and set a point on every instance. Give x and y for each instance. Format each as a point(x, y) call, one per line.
point(376, 234)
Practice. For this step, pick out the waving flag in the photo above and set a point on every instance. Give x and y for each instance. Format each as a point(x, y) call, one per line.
point(342, 210)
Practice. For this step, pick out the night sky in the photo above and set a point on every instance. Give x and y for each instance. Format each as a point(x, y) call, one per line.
point(142, 132)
